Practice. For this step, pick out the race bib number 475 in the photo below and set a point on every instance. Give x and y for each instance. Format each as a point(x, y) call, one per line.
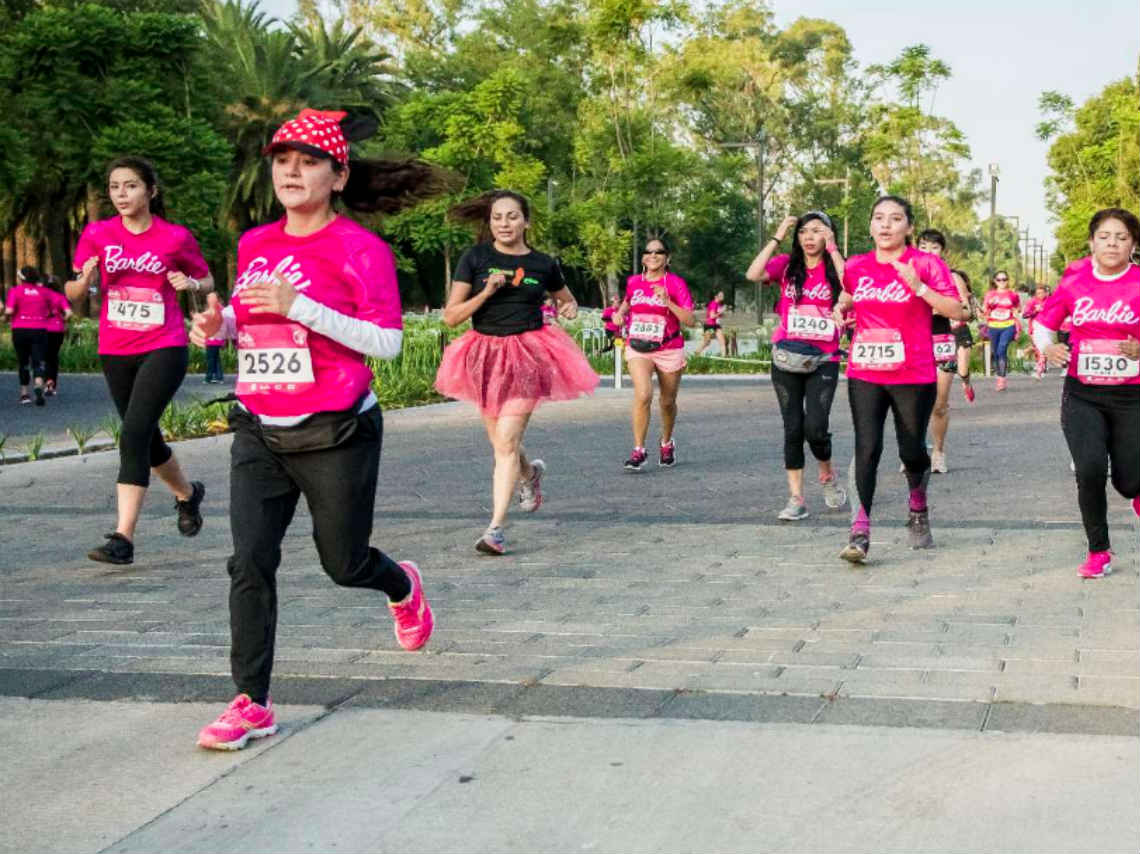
point(878, 350)
point(137, 309)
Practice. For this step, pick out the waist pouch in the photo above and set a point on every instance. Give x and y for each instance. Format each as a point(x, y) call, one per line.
point(797, 357)
point(319, 432)
point(643, 346)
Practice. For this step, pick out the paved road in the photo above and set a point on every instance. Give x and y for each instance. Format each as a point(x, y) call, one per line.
point(673, 598)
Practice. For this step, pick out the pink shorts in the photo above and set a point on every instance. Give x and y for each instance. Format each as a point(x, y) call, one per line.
point(667, 361)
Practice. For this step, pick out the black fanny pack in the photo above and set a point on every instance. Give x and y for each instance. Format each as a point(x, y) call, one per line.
point(643, 346)
point(319, 432)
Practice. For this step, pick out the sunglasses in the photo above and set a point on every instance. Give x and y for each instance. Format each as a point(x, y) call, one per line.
point(1001, 278)
point(655, 252)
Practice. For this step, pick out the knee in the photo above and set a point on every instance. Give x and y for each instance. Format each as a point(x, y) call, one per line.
point(942, 409)
point(505, 446)
point(1127, 486)
point(136, 438)
point(668, 401)
point(643, 397)
point(1095, 474)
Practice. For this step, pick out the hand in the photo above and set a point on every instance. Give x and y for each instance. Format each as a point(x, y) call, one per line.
point(180, 281)
point(568, 309)
point(1130, 347)
point(908, 274)
point(786, 224)
point(206, 324)
point(273, 297)
point(1057, 355)
point(838, 315)
point(828, 237)
point(494, 282)
point(618, 319)
point(661, 293)
point(88, 266)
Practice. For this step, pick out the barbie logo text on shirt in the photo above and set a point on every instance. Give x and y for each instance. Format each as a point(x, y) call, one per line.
point(1117, 313)
point(818, 291)
point(114, 261)
point(258, 272)
point(894, 292)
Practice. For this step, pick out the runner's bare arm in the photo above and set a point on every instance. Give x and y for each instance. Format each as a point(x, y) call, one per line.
point(461, 305)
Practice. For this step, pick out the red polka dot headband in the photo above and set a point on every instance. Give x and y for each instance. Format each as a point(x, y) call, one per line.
point(316, 131)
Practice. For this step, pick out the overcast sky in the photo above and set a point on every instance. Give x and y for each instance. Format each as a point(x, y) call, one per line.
point(1003, 54)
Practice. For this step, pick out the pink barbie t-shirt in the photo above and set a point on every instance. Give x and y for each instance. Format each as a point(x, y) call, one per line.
point(60, 306)
point(284, 368)
point(140, 309)
point(810, 319)
point(649, 317)
point(893, 344)
point(1000, 306)
point(712, 313)
point(31, 304)
point(1103, 313)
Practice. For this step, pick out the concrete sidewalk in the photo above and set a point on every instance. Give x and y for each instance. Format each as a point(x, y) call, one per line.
point(119, 777)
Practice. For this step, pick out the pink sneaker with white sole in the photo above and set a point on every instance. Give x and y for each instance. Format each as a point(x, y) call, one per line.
point(414, 620)
point(1096, 565)
point(242, 720)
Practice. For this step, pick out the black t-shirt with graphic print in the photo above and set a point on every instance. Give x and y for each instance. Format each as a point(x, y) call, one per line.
point(517, 306)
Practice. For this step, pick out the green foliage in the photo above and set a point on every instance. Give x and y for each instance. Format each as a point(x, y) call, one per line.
point(1094, 160)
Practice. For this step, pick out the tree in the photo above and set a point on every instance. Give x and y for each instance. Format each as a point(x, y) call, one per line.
point(1094, 160)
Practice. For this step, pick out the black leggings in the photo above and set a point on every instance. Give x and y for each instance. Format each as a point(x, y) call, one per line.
point(1101, 423)
point(911, 405)
point(142, 385)
point(54, 345)
point(805, 404)
point(339, 485)
point(31, 348)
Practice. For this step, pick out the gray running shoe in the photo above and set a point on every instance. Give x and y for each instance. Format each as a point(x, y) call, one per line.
point(938, 462)
point(793, 511)
point(492, 542)
point(918, 530)
point(834, 495)
point(530, 490)
point(857, 548)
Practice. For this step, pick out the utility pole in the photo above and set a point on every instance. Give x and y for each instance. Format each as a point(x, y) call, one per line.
point(993, 214)
point(1025, 253)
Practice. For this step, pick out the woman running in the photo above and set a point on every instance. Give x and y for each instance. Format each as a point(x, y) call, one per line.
point(315, 294)
point(510, 362)
point(658, 303)
point(713, 312)
point(56, 329)
point(1001, 307)
point(1032, 308)
point(805, 360)
point(1100, 403)
point(28, 308)
point(951, 353)
point(895, 291)
point(611, 328)
point(143, 261)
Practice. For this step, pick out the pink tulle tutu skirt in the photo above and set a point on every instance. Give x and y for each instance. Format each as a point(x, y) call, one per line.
point(514, 374)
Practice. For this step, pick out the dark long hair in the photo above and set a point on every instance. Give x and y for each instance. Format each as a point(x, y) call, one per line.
point(1127, 219)
point(29, 274)
point(390, 186)
point(477, 211)
point(797, 263)
point(149, 175)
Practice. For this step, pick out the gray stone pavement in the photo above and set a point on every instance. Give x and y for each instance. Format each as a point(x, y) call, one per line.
point(671, 580)
point(659, 664)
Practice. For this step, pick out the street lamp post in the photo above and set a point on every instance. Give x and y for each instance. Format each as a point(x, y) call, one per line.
point(993, 212)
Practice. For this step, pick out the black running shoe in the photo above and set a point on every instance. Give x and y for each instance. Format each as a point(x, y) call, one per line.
point(857, 548)
point(918, 530)
point(668, 455)
point(189, 516)
point(117, 549)
point(39, 395)
point(636, 461)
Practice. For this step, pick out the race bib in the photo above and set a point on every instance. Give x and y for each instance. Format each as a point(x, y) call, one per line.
point(945, 348)
point(809, 323)
point(1000, 314)
point(136, 309)
point(878, 350)
point(274, 357)
point(647, 327)
point(1100, 362)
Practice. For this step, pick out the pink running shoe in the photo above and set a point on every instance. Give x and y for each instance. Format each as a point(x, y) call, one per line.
point(1096, 565)
point(414, 620)
point(968, 390)
point(1136, 506)
point(242, 720)
point(1001, 383)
